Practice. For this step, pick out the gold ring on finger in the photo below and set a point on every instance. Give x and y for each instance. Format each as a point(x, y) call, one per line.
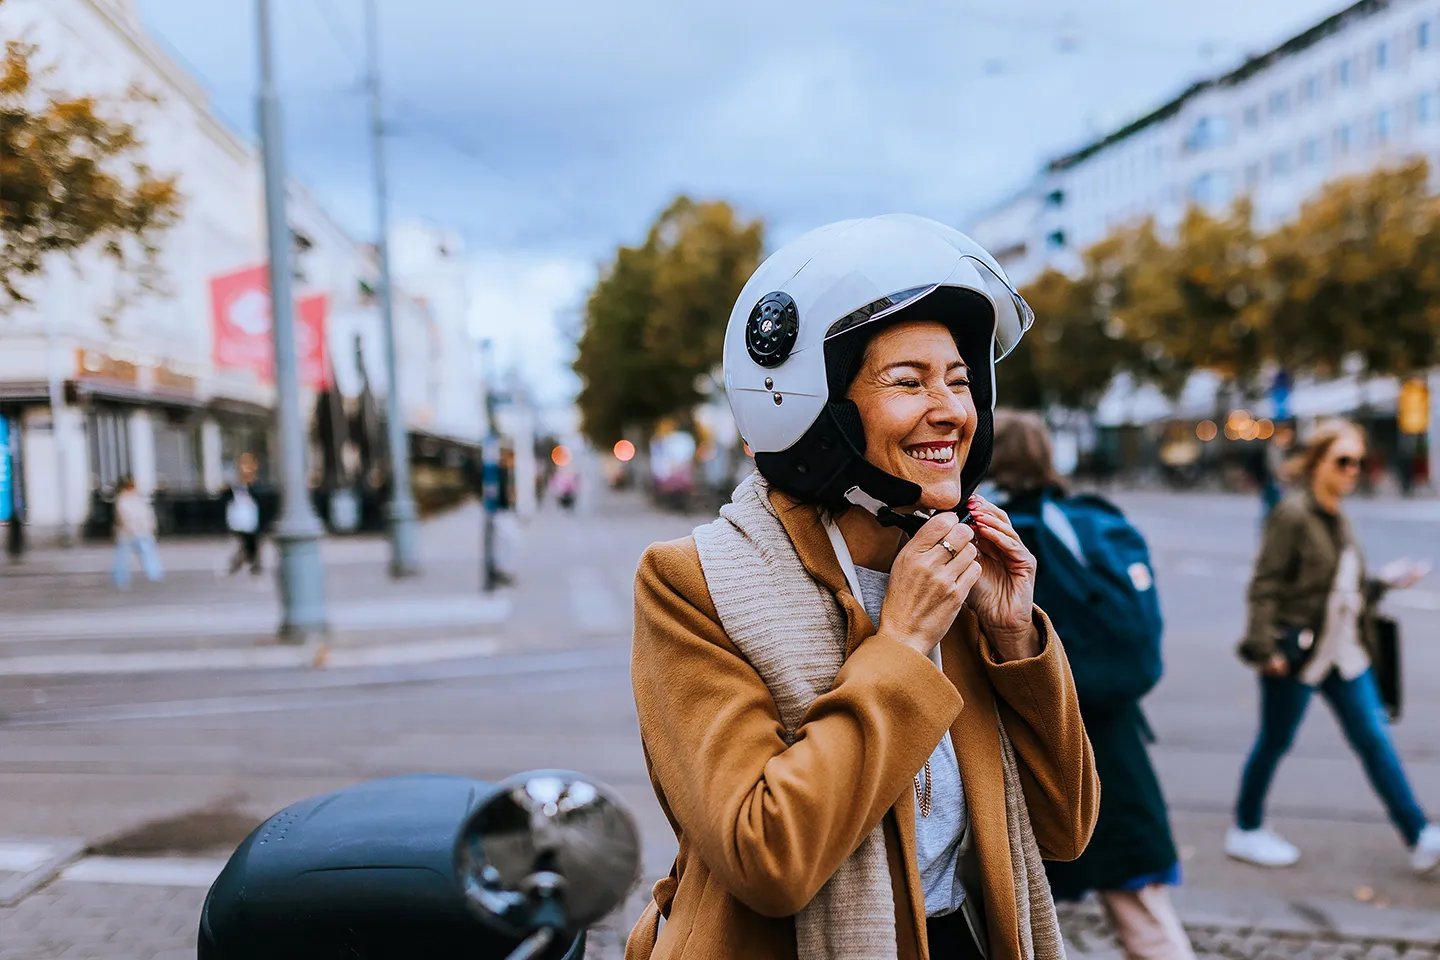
point(953, 552)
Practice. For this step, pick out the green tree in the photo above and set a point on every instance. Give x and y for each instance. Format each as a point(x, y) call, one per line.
point(70, 178)
point(654, 324)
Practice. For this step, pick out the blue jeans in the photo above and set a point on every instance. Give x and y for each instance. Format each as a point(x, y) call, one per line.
point(144, 547)
point(1356, 704)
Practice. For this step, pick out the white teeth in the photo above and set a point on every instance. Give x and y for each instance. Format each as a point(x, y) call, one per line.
point(941, 454)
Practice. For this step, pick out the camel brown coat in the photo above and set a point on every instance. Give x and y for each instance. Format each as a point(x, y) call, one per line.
point(762, 827)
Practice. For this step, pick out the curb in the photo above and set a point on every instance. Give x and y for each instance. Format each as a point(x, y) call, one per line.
point(35, 861)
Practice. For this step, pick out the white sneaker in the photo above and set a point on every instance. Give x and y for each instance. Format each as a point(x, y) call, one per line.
point(1263, 847)
point(1426, 855)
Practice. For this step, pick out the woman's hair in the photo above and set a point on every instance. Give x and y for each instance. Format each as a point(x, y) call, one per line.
point(1023, 460)
point(125, 485)
point(1326, 435)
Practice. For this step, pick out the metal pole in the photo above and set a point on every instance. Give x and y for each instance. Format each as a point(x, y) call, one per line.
point(302, 571)
point(404, 540)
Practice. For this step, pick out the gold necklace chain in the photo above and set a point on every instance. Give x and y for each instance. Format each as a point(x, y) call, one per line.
point(924, 795)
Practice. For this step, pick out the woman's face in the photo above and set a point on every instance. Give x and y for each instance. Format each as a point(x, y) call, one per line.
point(1339, 471)
point(913, 392)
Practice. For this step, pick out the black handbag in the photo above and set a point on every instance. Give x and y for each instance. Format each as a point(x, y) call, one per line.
point(1387, 664)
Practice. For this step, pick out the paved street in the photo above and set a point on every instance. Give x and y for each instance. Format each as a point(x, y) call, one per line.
point(175, 764)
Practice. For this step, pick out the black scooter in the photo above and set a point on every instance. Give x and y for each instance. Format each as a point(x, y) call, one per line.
point(427, 868)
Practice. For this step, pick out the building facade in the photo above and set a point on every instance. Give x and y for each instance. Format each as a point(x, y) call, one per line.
point(97, 384)
point(1356, 91)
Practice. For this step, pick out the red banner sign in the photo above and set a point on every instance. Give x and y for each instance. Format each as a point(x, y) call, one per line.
point(240, 311)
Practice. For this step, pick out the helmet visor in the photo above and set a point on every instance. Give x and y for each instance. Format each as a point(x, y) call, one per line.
point(1013, 315)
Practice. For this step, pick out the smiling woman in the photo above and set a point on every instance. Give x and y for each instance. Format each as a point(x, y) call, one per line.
point(913, 394)
point(800, 664)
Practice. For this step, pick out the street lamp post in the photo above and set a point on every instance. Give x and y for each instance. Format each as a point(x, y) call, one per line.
point(302, 572)
point(404, 545)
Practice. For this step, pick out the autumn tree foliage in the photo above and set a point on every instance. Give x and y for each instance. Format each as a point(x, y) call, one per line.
point(72, 178)
point(654, 324)
point(1355, 274)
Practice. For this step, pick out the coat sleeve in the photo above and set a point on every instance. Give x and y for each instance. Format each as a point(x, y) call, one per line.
point(1271, 577)
point(771, 822)
point(1041, 711)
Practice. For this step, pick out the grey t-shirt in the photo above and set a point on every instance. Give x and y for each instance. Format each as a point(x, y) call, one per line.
point(938, 837)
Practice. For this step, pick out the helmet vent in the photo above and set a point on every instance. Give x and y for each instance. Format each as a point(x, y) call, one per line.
point(771, 330)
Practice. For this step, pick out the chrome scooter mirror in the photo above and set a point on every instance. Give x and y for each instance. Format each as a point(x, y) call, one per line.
point(549, 853)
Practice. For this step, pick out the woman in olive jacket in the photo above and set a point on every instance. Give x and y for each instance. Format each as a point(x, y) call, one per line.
point(1311, 627)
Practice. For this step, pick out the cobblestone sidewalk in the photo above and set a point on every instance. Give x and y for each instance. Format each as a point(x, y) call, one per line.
point(92, 921)
point(1088, 935)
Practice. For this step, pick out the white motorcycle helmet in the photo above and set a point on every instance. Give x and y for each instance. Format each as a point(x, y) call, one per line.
point(797, 334)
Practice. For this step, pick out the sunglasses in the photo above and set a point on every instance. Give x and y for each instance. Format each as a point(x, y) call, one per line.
point(1347, 463)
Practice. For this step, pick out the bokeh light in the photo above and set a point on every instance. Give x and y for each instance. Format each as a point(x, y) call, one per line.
point(560, 457)
point(624, 451)
point(1207, 430)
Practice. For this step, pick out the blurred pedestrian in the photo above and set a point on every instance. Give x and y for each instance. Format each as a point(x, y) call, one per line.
point(134, 533)
point(1093, 579)
point(1276, 467)
point(1311, 627)
point(800, 663)
point(242, 516)
point(507, 522)
point(565, 486)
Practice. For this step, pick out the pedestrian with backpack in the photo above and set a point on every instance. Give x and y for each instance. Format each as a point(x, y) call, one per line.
point(1094, 579)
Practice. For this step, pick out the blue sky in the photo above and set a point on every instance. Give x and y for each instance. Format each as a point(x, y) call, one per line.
point(549, 131)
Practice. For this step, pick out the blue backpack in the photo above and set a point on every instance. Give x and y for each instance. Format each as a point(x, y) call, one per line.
point(1104, 607)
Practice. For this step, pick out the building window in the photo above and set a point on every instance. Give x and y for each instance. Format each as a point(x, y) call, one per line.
point(1253, 173)
point(1210, 189)
point(1209, 132)
point(1384, 125)
point(1279, 163)
point(1382, 55)
point(1055, 198)
point(1345, 73)
point(177, 456)
point(1279, 103)
point(107, 430)
point(1344, 139)
point(1309, 90)
point(1310, 152)
point(1425, 107)
point(1422, 35)
point(1251, 117)
point(1056, 239)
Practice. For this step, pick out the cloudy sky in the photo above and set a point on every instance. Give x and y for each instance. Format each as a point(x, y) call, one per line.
point(549, 131)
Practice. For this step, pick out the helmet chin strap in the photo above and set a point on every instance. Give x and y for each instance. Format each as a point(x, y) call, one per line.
point(888, 516)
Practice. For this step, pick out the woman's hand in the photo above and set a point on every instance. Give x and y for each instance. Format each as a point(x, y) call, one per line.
point(1004, 596)
point(1276, 666)
point(929, 582)
point(1403, 573)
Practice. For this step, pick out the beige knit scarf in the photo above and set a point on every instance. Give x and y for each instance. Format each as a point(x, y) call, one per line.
point(792, 631)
